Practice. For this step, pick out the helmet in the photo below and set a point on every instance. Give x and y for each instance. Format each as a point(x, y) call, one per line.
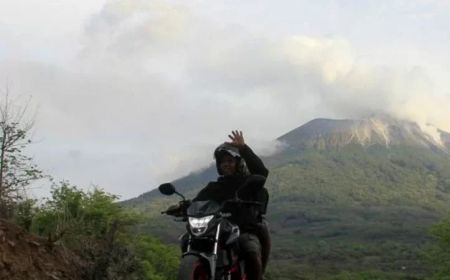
point(228, 149)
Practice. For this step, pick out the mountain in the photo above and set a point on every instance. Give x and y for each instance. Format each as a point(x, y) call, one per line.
point(385, 131)
point(347, 197)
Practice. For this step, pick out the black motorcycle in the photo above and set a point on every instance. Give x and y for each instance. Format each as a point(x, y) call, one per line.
point(211, 250)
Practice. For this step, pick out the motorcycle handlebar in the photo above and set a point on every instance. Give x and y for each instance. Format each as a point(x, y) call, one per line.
point(179, 211)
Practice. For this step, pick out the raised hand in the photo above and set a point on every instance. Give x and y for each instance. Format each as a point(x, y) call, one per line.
point(237, 138)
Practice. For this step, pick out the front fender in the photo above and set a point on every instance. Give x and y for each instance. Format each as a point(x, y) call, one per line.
point(211, 259)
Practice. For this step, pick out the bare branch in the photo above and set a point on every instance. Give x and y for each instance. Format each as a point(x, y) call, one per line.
point(17, 170)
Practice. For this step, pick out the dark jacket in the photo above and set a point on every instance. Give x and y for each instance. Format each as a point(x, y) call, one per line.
point(226, 186)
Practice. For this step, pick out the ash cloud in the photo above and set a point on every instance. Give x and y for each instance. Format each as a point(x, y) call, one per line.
point(157, 86)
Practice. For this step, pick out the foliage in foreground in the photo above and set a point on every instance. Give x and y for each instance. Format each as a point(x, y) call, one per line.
point(100, 232)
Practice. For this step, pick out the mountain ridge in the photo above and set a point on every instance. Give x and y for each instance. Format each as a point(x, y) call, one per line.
point(375, 130)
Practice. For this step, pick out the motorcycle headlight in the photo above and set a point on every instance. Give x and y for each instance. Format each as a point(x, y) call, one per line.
point(199, 225)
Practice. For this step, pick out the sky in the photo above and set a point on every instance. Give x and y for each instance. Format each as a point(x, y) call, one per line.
point(128, 94)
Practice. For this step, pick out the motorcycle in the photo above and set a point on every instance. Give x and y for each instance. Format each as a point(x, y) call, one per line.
point(212, 251)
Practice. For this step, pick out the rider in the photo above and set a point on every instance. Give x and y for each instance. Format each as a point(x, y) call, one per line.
point(235, 162)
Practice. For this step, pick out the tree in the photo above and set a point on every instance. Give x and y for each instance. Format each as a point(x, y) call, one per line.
point(103, 234)
point(17, 170)
point(91, 225)
point(25, 211)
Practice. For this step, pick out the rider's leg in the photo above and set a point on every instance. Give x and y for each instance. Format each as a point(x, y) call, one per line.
point(251, 251)
point(264, 238)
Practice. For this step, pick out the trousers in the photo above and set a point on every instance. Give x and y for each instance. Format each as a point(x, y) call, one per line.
point(255, 246)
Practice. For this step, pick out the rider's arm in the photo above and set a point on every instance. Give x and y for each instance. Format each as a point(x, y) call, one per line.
point(178, 210)
point(204, 194)
point(253, 184)
point(254, 164)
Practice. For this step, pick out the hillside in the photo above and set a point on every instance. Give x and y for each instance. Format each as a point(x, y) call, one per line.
point(24, 256)
point(347, 196)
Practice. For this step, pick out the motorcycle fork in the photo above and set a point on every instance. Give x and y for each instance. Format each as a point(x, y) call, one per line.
point(213, 263)
point(189, 243)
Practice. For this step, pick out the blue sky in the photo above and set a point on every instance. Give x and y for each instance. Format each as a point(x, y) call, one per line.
point(132, 93)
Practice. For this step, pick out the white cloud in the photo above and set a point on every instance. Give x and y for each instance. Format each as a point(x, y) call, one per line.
point(157, 85)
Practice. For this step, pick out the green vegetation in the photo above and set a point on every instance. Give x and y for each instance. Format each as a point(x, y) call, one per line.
point(369, 208)
point(438, 255)
point(100, 232)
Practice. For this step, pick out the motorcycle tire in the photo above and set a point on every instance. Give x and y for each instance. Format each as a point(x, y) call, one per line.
point(193, 268)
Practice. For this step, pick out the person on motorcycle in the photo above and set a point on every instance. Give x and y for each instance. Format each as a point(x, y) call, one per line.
point(235, 163)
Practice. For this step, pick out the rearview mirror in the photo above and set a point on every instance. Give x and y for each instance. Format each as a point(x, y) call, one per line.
point(167, 189)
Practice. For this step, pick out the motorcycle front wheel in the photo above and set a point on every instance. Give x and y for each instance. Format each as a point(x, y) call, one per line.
point(193, 268)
